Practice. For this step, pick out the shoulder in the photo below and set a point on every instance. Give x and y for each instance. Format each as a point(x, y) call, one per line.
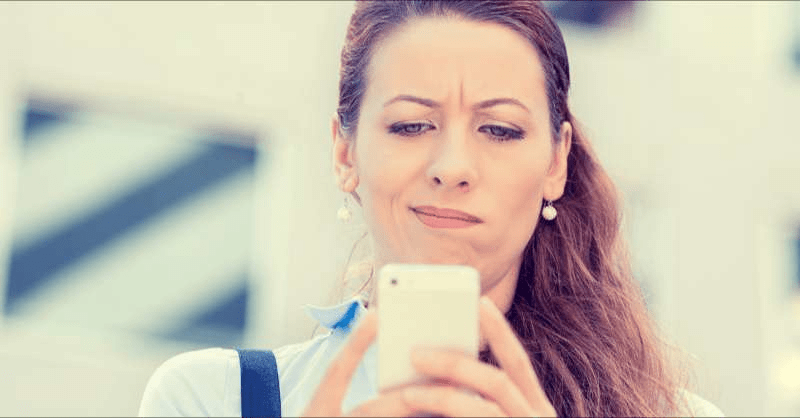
point(699, 407)
point(208, 382)
point(301, 368)
point(291, 354)
point(195, 383)
point(298, 364)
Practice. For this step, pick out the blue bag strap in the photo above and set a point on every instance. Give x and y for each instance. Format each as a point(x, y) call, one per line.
point(261, 391)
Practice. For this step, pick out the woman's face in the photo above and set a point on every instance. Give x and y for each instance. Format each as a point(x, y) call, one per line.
point(454, 118)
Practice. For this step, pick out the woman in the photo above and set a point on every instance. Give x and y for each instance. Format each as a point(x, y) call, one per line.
point(463, 105)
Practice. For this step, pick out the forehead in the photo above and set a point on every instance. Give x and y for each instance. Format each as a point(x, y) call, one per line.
point(446, 58)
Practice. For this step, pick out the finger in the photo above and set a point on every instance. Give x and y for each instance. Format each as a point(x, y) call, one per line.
point(388, 404)
point(462, 370)
point(512, 357)
point(450, 402)
point(327, 400)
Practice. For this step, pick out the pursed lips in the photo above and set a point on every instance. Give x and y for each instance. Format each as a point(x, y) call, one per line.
point(446, 213)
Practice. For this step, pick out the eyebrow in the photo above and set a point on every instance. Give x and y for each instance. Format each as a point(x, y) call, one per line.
point(502, 100)
point(434, 104)
point(413, 99)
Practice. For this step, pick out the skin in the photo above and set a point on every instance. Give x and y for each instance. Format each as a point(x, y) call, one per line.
point(511, 390)
point(432, 132)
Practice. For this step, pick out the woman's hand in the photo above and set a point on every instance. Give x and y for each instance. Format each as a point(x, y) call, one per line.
point(511, 390)
point(327, 400)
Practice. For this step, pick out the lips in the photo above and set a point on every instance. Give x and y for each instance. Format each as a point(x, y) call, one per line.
point(446, 213)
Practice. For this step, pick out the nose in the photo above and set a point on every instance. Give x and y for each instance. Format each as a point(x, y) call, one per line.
point(454, 165)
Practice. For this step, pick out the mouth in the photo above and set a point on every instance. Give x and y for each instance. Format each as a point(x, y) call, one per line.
point(445, 218)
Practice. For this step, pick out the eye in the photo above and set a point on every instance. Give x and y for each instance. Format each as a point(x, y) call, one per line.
point(410, 129)
point(502, 133)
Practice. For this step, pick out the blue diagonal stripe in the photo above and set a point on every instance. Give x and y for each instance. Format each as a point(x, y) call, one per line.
point(228, 312)
point(797, 261)
point(35, 265)
point(38, 120)
point(221, 323)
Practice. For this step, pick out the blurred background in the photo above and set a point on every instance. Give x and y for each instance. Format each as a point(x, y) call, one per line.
point(166, 185)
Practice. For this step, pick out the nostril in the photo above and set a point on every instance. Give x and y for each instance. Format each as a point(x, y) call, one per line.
point(437, 180)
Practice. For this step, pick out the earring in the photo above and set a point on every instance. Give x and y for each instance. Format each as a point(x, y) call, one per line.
point(549, 212)
point(344, 213)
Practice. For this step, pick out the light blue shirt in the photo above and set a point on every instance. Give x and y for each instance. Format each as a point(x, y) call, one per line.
point(208, 382)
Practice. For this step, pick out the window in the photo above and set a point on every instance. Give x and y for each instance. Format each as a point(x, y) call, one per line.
point(131, 224)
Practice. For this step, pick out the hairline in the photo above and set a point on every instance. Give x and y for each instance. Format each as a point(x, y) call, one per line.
point(447, 15)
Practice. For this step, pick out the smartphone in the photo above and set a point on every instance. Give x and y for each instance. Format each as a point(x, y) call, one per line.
point(422, 305)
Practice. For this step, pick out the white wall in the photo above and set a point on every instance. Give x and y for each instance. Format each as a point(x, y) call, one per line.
point(250, 66)
point(254, 66)
point(691, 107)
point(8, 149)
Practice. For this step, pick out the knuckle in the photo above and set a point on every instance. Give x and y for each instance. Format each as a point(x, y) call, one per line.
point(455, 364)
point(449, 361)
point(499, 383)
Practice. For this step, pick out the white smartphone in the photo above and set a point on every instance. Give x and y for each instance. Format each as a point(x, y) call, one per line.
point(421, 305)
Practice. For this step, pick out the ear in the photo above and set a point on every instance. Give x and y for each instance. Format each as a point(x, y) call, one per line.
point(344, 167)
point(556, 178)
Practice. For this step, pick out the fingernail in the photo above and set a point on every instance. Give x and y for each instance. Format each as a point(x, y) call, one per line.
point(486, 301)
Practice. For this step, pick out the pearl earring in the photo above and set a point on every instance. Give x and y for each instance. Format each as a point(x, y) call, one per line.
point(344, 213)
point(549, 212)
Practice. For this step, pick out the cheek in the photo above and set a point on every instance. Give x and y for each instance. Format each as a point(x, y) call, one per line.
point(523, 182)
point(386, 172)
point(375, 170)
point(523, 207)
point(520, 196)
point(529, 192)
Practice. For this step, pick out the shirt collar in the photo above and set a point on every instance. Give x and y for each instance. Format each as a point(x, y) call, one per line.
point(338, 317)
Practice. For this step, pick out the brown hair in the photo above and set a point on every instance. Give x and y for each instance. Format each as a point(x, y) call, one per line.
point(577, 309)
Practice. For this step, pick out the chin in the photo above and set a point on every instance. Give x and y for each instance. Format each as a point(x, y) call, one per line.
point(443, 259)
point(430, 257)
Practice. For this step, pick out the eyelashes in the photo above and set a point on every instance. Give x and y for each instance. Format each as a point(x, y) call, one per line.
point(501, 132)
point(495, 132)
point(410, 129)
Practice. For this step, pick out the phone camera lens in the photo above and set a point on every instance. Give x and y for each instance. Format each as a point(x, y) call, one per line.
point(394, 282)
